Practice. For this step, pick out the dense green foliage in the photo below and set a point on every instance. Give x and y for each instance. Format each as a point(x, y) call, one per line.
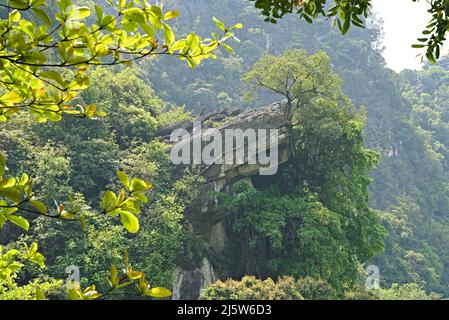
point(315, 220)
point(417, 222)
point(408, 184)
point(82, 160)
point(11, 263)
point(410, 291)
point(286, 288)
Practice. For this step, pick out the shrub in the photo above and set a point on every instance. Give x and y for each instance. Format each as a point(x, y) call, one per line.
point(315, 289)
point(250, 288)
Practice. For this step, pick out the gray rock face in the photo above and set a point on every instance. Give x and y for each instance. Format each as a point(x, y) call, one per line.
point(188, 285)
point(203, 215)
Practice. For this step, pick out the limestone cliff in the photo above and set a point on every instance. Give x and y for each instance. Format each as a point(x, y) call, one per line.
point(203, 216)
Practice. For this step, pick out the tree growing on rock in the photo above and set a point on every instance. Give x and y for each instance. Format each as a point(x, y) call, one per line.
point(296, 76)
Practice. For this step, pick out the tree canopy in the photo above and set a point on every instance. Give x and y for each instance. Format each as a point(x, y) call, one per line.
point(296, 77)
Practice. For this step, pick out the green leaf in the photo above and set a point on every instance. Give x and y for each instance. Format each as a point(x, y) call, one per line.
point(129, 221)
point(148, 29)
point(8, 183)
point(40, 206)
point(34, 247)
point(75, 294)
point(101, 50)
point(40, 295)
point(121, 5)
point(156, 10)
point(99, 12)
point(15, 16)
point(79, 13)
point(178, 45)
point(172, 14)
point(237, 26)
point(135, 15)
point(90, 110)
point(141, 197)
point(227, 47)
point(42, 15)
point(123, 178)
point(134, 275)
point(67, 215)
point(18, 4)
point(27, 27)
point(11, 194)
point(113, 276)
point(83, 12)
point(430, 56)
point(24, 179)
point(20, 221)
point(139, 185)
point(109, 201)
point(38, 3)
point(2, 165)
point(154, 20)
point(11, 98)
point(53, 75)
point(169, 35)
point(142, 285)
point(219, 24)
point(53, 116)
point(158, 292)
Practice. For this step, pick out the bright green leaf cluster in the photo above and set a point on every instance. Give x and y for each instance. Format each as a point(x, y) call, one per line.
point(345, 12)
point(127, 202)
point(16, 196)
point(13, 193)
point(90, 293)
point(32, 54)
point(13, 260)
point(118, 281)
point(131, 276)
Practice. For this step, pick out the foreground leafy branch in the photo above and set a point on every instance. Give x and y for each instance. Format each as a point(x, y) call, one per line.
point(13, 260)
point(345, 13)
point(118, 281)
point(43, 61)
point(17, 197)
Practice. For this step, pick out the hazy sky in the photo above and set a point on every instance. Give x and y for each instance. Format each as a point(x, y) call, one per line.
point(403, 22)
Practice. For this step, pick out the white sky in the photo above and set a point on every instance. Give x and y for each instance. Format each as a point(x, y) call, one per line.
point(404, 20)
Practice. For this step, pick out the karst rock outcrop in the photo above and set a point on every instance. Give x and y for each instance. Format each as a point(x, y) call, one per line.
point(203, 215)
